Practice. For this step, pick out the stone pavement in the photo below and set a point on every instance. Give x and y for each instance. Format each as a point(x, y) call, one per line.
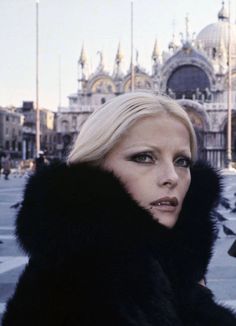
point(221, 277)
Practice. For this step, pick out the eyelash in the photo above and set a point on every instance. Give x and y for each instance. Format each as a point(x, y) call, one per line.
point(181, 161)
point(137, 158)
point(187, 161)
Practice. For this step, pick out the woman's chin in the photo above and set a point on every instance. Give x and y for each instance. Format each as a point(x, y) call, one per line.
point(167, 219)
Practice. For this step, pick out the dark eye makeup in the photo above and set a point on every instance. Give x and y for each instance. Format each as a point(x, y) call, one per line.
point(183, 161)
point(142, 157)
point(149, 158)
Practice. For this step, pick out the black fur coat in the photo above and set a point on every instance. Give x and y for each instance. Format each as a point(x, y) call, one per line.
point(99, 259)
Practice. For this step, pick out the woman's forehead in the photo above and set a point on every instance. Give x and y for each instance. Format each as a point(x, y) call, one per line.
point(154, 131)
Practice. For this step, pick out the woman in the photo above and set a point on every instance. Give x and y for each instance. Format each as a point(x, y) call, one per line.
point(123, 233)
point(6, 165)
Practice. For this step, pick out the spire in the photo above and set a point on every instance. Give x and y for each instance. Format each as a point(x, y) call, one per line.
point(172, 45)
point(223, 14)
point(101, 62)
point(117, 73)
point(187, 27)
point(82, 62)
point(83, 58)
point(188, 40)
point(156, 52)
point(119, 55)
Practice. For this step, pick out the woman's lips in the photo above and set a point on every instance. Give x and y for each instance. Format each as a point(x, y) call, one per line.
point(167, 204)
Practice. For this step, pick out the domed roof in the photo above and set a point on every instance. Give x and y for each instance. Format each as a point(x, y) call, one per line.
point(216, 35)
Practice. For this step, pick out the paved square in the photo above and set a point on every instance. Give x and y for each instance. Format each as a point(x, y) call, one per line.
point(221, 277)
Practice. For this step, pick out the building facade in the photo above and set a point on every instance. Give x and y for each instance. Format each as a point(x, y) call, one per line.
point(194, 72)
point(48, 135)
point(11, 123)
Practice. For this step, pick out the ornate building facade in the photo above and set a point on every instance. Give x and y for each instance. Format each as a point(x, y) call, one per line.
point(195, 73)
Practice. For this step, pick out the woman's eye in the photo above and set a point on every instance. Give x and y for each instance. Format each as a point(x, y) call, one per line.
point(184, 162)
point(142, 158)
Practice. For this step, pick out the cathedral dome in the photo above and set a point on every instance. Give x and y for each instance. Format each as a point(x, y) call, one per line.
point(215, 37)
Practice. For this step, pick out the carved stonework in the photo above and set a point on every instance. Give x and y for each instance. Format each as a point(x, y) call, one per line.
point(181, 59)
point(141, 81)
point(102, 85)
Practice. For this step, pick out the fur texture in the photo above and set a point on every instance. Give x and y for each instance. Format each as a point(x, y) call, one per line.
point(98, 258)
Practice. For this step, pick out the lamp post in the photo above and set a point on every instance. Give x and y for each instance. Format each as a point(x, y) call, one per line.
point(229, 97)
point(37, 135)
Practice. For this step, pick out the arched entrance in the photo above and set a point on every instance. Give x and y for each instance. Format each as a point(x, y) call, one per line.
point(198, 125)
point(200, 121)
point(188, 81)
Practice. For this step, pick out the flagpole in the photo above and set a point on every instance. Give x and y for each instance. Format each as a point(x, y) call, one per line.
point(59, 82)
point(37, 135)
point(132, 47)
point(229, 97)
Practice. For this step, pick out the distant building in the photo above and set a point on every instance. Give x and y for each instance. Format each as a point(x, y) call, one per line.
point(193, 72)
point(48, 138)
point(11, 123)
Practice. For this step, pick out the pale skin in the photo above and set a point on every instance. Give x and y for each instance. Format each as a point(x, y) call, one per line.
point(153, 161)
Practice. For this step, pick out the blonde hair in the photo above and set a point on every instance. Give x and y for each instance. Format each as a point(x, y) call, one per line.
point(105, 127)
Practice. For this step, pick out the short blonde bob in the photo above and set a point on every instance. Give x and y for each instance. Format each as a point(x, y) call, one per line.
point(106, 126)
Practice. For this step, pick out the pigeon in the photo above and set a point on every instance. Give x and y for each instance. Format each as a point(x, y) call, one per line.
point(228, 231)
point(220, 217)
point(16, 205)
point(232, 249)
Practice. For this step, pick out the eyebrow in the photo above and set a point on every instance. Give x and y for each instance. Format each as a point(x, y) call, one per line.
point(182, 151)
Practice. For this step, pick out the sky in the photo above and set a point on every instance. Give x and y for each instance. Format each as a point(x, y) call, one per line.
point(65, 25)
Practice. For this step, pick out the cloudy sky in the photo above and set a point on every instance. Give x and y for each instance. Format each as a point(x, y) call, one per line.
point(64, 25)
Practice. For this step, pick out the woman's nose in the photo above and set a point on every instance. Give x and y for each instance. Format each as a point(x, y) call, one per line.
point(168, 176)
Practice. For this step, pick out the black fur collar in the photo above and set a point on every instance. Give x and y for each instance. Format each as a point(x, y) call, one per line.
point(80, 210)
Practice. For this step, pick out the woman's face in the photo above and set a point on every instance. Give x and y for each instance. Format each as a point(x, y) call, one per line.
point(152, 160)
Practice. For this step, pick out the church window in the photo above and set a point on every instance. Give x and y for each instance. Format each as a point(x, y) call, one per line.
point(65, 126)
point(189, 82)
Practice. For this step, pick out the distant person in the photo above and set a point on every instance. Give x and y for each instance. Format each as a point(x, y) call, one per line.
point(6, 166)
point(123, 232)
point(40, 161)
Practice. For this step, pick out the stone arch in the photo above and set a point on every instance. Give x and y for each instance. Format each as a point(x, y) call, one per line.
point(198, 112)
point(65, 126)
point(102, 84)
point(200, 121)
point(179, 60)
point(189, 81)
point(141, 81)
